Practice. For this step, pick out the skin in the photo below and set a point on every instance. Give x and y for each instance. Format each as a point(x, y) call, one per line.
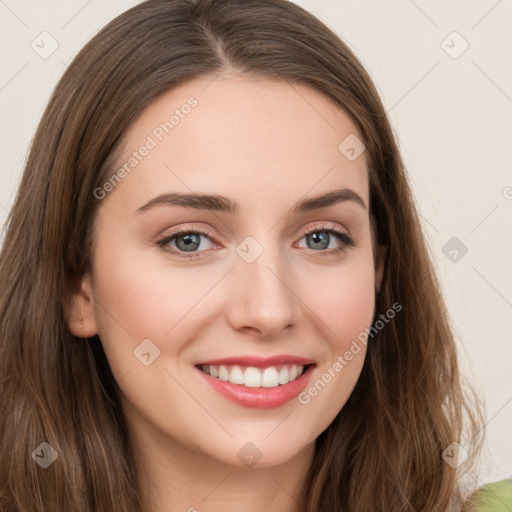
point(266, 145)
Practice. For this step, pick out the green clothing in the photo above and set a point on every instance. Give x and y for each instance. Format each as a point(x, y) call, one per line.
point(494, 497)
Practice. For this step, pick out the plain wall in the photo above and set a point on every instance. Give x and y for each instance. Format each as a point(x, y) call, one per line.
point(451, 110)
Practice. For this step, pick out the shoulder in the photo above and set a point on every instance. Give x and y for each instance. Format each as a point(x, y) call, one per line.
point(493, 497)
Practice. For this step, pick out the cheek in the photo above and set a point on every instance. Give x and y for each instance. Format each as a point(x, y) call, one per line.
point(140, 297)
point(345, 302)
point(344, 299)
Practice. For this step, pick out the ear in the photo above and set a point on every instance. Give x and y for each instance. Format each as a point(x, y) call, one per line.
point(79, 308)
point(379, 266)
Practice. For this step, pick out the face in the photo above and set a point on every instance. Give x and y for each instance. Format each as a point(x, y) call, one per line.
point(264, 287)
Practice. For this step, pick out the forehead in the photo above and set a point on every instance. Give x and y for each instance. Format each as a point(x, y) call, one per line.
point(252, 139)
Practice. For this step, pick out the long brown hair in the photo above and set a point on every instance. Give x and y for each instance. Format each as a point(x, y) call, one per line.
point(383, 450)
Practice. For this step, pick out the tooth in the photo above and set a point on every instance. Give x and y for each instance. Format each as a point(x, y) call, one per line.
point(284, 376)
point(252, 377)
point(223, 373)
point(255, 377)
point(270, 379)
point(236, 375)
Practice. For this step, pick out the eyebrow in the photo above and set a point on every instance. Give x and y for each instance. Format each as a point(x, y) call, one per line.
point(223, 204)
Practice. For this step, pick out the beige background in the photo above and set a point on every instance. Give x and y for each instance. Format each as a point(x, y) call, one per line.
point(452, 115)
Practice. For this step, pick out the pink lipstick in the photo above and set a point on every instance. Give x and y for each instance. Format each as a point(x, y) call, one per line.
point(257, 382)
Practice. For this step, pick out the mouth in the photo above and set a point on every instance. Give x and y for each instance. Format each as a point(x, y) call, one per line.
point(253, 377)
point(256, 382)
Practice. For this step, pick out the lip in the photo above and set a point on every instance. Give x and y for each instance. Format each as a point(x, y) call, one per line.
point(258, 362)
point(259, 398)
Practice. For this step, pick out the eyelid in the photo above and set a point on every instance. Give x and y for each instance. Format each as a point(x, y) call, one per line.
point(325, 226)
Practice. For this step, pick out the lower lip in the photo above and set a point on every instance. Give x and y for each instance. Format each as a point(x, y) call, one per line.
point(260, 398)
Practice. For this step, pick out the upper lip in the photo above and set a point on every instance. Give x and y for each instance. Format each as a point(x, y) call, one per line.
point(258, 361)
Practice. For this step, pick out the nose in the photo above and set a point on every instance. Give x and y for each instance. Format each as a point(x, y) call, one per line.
point(262, 301)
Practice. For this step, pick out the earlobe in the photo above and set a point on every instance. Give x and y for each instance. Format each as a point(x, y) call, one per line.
point(79, 307)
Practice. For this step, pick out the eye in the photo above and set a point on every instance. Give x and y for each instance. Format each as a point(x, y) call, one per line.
point(185, 241)
point(328, 239)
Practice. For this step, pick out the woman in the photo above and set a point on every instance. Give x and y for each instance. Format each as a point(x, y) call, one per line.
point(216, 292)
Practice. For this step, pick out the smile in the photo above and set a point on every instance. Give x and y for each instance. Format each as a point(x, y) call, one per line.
point(252, 377)
point(262, 383)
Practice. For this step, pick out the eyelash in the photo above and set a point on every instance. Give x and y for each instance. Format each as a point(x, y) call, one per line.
point(346, 241)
